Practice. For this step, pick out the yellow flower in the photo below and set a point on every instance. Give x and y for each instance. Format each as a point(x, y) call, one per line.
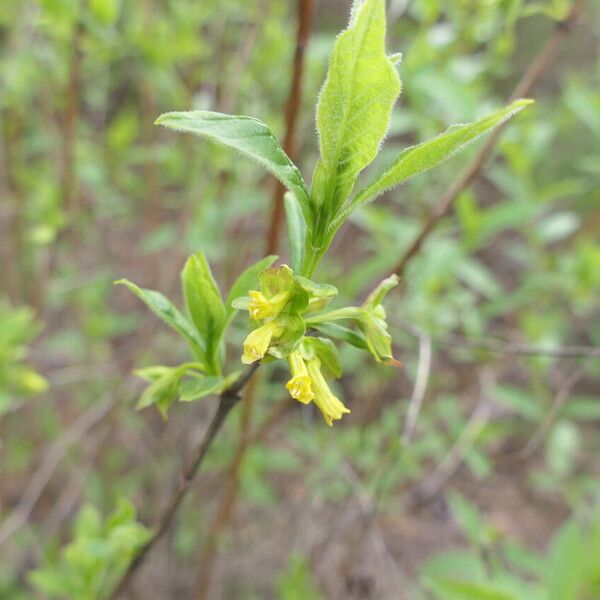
point(258, 341)
point(261, 307)
point(299, 386)
point(331, 407)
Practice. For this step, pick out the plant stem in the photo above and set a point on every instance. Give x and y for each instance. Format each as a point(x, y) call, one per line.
point(227, 400)
point(292, 110)
point(536, 69)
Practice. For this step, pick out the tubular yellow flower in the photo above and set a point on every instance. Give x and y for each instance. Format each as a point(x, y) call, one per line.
point(261, 307)
point(258, 341)
point(331, 407)
point(299, 386)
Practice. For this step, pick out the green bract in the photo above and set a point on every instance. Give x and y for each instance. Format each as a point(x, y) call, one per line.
point(285, 306)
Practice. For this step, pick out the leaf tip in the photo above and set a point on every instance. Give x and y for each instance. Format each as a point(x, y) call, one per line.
point(523, 102)
point(392, 362)
point(162, 119)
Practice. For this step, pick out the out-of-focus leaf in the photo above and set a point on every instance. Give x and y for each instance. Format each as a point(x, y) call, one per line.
point(166, 310)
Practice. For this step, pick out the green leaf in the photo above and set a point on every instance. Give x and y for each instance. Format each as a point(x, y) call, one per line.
point(564, 566)
point(420, 158)
point(376, 297)
point(163, 391)
point(379, 341)
point(354, 107)
point(248, 280)
point(467, 517)
point(166, 310)
point(296, 226)
point(194, 389)
point(204, 303)
point(469, 590)
point(344, 334)
point(151, 374)
point(247, 135)
point(319, 294)
point(317, 290)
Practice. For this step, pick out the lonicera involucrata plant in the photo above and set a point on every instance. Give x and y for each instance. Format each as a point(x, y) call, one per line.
point(288, 312)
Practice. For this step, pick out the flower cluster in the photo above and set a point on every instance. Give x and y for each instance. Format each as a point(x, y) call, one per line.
point(286, 308)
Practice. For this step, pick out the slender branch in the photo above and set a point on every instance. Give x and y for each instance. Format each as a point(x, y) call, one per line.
point(227, 400)
point(429, 487)
point(228, 500)
point(561, 397)
point(305, 11)
point(52, 459)
point(418, 394)
point(536, 69)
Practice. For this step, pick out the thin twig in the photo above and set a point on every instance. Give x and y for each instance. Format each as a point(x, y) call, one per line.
point(368, 510)
point(52, 460)
point(418, 394)
point(561, 397)
point(531, 76)
point(228, 500)
point(294, 102)
point(427, 489)
point(227, 400)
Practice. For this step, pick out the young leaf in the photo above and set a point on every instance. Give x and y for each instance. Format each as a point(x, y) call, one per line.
point(355, 104)
point(194, 389)
point(296, 226)
point(166, 310)
point(459, 589)
point(247, 281)
point(163, 391)
point(249, 136)
point(203, 299)
point(416, 159)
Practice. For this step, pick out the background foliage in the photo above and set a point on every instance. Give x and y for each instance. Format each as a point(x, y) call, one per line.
point(493, 495)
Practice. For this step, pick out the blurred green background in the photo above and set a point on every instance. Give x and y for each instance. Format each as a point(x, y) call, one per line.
point(495, 494)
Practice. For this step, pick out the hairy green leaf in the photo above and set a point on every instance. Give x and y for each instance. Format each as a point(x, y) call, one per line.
point(204, 303)
point(166, 310)
point(195, 389)
point(247, 135)
point(416, 159)
point(354, 107)
point(296, 226)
